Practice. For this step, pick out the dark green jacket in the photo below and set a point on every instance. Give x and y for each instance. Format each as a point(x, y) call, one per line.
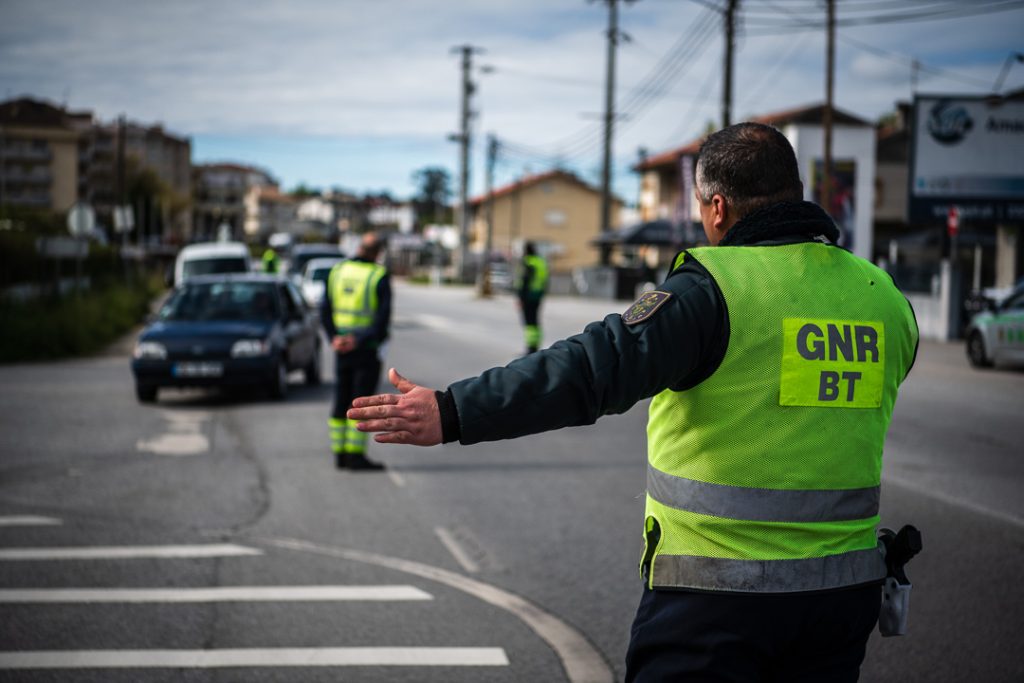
point(612, 365)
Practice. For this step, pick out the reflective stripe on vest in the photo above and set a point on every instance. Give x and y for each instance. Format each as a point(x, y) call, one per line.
point(759, 504)
point(771, 576)
point(353, 289)
point(765, 476)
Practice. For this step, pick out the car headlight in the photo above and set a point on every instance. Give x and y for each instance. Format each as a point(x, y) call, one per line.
point(245, 348)
point(150, 350)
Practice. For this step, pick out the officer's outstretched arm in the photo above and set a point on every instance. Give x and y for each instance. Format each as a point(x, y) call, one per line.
point(411, 417)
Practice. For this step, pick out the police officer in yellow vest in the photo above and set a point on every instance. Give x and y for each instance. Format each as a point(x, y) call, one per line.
point(533, 283)
point(270, 260)
point(773, 358)
point(356, 314)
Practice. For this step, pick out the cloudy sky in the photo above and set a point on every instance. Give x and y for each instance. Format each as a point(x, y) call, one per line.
point(359, 94)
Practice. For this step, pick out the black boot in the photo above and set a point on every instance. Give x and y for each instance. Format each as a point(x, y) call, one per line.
point(359, 461)
point(341, 461)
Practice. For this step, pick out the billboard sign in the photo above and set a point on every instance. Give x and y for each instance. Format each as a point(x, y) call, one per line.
point(967, 152)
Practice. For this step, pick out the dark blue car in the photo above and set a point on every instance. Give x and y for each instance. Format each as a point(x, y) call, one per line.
point(228, 331)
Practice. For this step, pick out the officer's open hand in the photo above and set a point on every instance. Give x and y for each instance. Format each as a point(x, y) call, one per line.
point(411, 417)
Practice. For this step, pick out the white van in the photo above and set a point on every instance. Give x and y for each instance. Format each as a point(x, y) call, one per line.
point(210, 258)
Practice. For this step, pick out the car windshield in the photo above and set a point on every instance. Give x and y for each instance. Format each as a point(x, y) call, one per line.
point(299, 261)
point(213, 266)
point(222, 301)
point(320, 275)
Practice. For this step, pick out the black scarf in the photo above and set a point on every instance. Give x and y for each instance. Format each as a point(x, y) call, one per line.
point(782, 222)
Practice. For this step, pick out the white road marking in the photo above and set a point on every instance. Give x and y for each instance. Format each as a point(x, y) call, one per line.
point(581, 661)
point(457, 551)
point(434, 322)
point(184, 436)
point(219, 594)
point(127, 552)
point(261, 657)
point(28, 520)
point(396, 478)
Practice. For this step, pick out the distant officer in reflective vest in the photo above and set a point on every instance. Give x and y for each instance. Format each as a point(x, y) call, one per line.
point(270, 260)
point(356, 314)
point(533, 283)
point(773, 358)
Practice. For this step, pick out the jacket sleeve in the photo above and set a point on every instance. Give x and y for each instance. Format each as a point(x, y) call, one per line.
point(604, 370)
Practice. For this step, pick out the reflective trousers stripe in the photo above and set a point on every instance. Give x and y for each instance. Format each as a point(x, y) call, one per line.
point(532, 335)
point(852, 568)
point(761, 505)
point(345, 438)
point(355, 440)
point(337, 432)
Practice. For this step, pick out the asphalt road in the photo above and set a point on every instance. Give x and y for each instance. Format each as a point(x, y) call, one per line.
point(208, 538)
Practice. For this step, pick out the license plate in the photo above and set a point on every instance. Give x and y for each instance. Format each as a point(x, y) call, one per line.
point(205, 369)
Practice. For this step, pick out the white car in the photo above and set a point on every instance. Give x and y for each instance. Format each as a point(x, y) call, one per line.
point(998, 334)
point(211, 258)
point(314, 279)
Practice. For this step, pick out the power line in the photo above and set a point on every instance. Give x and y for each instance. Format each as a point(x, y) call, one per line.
point(649, 89)
point(888, 54)
point(911, 62)
point(773, 26)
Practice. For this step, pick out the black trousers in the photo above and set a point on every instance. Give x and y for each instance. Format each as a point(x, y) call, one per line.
point(531, 309)
point(355, 374)
point(792, 638)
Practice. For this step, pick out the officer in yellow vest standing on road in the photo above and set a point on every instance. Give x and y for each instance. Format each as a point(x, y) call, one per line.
point(356, 314)
point(533, 283)
point(270, 260)
point(774, 358)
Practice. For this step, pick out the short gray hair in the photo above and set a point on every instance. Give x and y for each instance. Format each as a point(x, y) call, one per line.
point(750, 164)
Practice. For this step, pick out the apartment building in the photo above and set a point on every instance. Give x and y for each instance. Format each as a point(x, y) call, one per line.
point(220, 190)
point(38, 156)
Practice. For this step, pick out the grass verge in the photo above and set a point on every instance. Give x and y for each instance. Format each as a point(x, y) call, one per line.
point(74, 325)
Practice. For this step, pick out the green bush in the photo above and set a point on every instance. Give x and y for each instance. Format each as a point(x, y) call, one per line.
point(73, 325)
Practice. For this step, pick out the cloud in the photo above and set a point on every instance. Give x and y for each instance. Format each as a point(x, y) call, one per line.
point(384, 71)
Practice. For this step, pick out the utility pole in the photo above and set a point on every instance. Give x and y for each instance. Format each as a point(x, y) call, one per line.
point(120, 178)
point(641, 154)
point(609, 114)
point(492, 158)
point(730, 35)
point(463, 137)
point(826, 119)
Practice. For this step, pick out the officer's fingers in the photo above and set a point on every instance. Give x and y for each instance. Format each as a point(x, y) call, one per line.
point(378, 400)
point(395, 437)
point(384, 424)
point(401, 383)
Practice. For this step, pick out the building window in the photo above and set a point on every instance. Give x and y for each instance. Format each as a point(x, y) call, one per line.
point(555, 218)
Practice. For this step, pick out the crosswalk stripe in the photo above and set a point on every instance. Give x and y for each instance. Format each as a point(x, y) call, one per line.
point(127, 552)
point(219, 594)
point(28, 520)
point(261, 657)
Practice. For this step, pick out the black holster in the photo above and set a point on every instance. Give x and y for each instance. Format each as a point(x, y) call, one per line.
point(899, 549)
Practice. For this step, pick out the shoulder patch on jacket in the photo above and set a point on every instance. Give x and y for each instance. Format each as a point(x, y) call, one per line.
point(644, 307)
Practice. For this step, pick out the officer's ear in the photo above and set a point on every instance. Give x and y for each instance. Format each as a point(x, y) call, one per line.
point(720, 217)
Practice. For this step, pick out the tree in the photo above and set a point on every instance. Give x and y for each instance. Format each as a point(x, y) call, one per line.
point(302, 191)
point(433, 191)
